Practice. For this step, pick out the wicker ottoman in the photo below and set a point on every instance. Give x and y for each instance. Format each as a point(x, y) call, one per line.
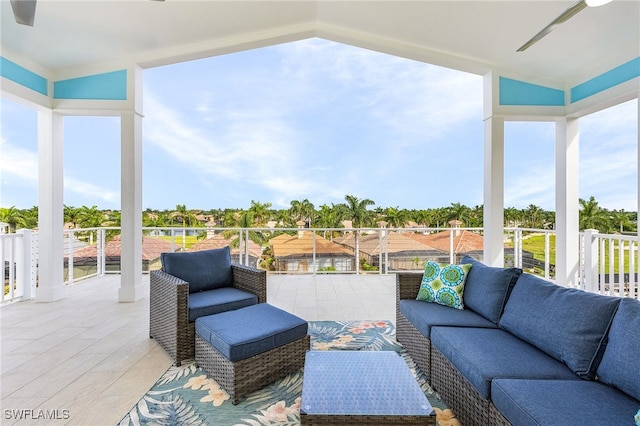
point(246, 349)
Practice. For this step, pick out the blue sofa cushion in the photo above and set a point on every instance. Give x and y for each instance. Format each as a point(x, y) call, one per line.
point(568, 324)
point(488, 288)
point(620, 362)
point(246, 332)
point(218, 300)
point(423, 316)
point(203, 270)
point(483, 354)
point(562, 402)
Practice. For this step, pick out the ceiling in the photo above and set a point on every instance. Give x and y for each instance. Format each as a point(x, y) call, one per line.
point(474, 36)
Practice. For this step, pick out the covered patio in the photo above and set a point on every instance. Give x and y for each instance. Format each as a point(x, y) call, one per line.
point(93, 357)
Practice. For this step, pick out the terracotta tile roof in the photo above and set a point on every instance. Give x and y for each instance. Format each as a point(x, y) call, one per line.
point(218, 241)
point(397, 243)
point(301, 244)
point(151, 248)
point(463, 241)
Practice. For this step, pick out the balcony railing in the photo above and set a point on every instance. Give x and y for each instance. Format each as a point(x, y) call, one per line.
point(608, 263)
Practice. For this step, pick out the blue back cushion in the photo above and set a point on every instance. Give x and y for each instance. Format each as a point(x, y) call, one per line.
point(203, 270)
point(488, 288)
point(566, 323)
point(620, 363)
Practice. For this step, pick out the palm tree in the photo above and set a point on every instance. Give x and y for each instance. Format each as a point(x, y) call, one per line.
point(622, 219)
point(302, 210)
point(459, 212)
point(360, 216)
point(13, 217)
point(423, 217)
point(591, 215)
point(534, 216)
point(260, 212)
point(396, 217)
point(70, 215)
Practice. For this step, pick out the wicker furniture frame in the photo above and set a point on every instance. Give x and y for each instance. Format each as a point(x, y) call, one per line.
point(169, 321)
point(245, 376)
point(416, 344)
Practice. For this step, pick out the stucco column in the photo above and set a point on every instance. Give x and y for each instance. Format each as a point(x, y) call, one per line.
point(50, 206)
point(494, 191)
point(567, 204)
point(131, 288)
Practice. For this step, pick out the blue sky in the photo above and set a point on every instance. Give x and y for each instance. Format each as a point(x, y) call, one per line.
point(318, 120)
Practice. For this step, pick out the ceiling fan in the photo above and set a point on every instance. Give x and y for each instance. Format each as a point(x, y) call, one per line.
point(24, 11)
point(564, 17)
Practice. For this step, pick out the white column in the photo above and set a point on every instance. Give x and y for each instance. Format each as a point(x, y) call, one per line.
point(567, 204)
point(493, 191)
point(50, 206)
point(131, 288)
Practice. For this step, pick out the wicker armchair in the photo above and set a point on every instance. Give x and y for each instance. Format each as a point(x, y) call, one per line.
point(169, 321)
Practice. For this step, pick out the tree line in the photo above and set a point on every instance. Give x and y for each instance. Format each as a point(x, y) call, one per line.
point(361, 212)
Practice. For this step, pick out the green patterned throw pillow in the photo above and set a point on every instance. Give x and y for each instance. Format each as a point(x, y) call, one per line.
point(444, 284)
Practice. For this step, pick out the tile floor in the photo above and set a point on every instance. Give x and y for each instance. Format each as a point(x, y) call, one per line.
point(87, 359)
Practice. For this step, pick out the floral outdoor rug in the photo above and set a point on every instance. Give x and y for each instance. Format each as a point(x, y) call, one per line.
point(185, 395)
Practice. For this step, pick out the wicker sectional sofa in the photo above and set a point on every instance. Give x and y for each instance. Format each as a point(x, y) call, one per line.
point(525, 351)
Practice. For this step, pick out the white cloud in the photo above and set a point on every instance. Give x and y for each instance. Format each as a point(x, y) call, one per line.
point(18, 165)
point(90, 191)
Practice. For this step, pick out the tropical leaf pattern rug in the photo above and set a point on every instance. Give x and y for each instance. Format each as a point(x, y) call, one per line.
point(185, 395)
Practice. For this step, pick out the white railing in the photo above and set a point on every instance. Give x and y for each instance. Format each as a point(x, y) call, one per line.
point(601, 273)
point(18, 253)
point(608, 263)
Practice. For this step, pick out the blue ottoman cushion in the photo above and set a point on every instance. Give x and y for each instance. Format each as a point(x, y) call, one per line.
point(219, 300)
point(203, 270)
point(423, 316)
point(552, 318)
point(506, 356)
point(562, 402)
point(249, 331)
point(619, 366)
point(487, 288)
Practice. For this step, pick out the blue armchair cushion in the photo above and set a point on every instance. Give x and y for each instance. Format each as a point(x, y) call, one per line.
point(562, 402)
point(246, 332)
point(218, 300)
point(620, 362)
point(203, 270)
point(423, 316)
point(443, 284)
point(483, 354)
point(488, 288)
point(568, 324)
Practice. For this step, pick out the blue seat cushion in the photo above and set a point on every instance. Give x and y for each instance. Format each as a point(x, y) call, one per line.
point(483, 354)
point(562, 402)
point(620, 362)
point(423, 316)
point(246, 332)
point(203, 270)
point(218, 300)
point(566, 323)
point(488, 288)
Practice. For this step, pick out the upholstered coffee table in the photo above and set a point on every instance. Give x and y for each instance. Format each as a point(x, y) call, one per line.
point(361, 387)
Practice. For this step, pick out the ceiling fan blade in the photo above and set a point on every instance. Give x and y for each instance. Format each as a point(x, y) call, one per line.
point(565, 16)
point(24, 11)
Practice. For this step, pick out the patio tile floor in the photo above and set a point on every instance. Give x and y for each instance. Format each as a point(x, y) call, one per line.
point(91, 356)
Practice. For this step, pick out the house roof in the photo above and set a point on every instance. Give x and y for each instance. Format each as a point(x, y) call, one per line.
point(463, 241)
point(302, 244)
point(397, 243)
point(472, 36)
point(151, 248)
point(218, 241)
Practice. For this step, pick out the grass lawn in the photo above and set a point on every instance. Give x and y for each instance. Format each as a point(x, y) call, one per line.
point(189, 240)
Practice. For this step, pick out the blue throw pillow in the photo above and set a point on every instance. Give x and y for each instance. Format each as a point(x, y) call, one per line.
point(203, 270)
point(488, 288)
point(443, 284)
point(566, 323)
point(619, 366)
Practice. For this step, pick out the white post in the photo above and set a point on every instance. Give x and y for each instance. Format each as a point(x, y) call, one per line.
point(50, 206)
point(493, 191)
point(567, 226)
point(23, 273)
point(131, 288)
point(590, 281)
